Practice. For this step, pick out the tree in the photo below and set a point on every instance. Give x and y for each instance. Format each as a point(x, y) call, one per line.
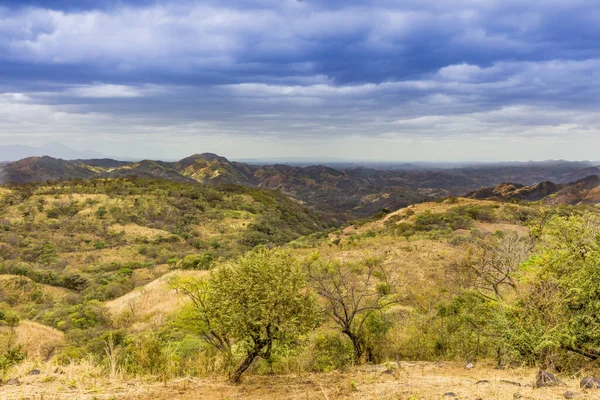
point(353, 293)
point(491, 262)
point(197, 261)
point(556, 311)
point(253, 304)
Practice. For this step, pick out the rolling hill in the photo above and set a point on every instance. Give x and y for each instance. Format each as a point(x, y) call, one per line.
point(353, 192)
point(582, 191)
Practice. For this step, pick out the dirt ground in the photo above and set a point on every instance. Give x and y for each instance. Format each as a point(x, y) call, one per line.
point(410, 381)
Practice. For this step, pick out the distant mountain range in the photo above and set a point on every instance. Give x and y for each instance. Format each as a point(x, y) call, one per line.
point(353, 192)
point(52, 149)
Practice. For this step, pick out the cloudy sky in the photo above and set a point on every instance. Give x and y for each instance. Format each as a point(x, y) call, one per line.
point(362, 80)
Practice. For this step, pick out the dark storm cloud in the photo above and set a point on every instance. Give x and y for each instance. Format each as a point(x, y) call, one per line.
point(302, 68)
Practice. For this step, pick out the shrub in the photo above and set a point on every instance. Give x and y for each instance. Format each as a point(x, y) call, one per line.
point(329, 351)
point(101, 212)
point(197, 261)
point(11, 357)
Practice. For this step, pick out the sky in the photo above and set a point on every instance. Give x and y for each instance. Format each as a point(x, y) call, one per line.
point(438, 80)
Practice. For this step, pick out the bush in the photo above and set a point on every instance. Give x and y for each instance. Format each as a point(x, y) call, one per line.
point(329, 351)
point(11, 357)
point(101, 212)
point(197, 261)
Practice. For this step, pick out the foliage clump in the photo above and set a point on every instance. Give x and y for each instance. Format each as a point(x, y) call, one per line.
point(251, 306)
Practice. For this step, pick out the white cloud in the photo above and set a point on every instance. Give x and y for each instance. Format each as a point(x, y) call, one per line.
point(386, 72)
point(105, 91)
point(100, 90)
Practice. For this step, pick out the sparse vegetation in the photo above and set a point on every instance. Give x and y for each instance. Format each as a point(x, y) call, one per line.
point(147, 278)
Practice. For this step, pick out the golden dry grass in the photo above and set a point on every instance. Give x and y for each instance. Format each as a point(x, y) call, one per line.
point(487, 227)
point(147, 306)
point(38, 341)
point(422, 262)
point(51, 293)
point(12, 214)
point(4, 192)
point(134, 231)
point(412, 380)
point(85, 260)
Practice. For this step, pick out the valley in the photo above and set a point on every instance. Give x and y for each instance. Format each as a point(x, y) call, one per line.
point(355, 192)
point(104, 268)
point(299, 200)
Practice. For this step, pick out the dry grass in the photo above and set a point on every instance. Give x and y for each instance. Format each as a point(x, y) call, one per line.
point(14, 285)
point(133, 231)
point(410, 381)
point(487, 227)
point(5, 192)
point(38, 341)
point(12, 214)
point(147, 306)
point(422, 262)
point(88, 259)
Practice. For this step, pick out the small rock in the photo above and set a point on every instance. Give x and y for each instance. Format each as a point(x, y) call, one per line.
point(510, 382)
point(517, 395)
point(450, 394)
point(469, 366)
point(570, 395)
point(34, 372)
point(481, 382)
point(546, 379)
point(13, 382)
point(589, 382)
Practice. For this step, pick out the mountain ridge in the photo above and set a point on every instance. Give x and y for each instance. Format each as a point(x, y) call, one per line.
point(582, 191)
point(356, 192)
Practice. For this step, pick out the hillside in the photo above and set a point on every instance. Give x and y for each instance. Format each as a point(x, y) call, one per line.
point(91, 267)
point(352, 192)
point(99, 239)
point(582, 191)
point(41, 169)
point(147, 169)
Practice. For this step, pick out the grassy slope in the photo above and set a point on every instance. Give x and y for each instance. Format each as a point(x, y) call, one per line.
point(69, 243)
point(423, 260)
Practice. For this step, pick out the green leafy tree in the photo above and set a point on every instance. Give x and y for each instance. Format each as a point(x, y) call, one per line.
point(556, 312)
point(197, 261)
point(253, 304)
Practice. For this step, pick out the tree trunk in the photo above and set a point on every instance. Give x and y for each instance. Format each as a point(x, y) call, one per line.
point(237, 374)
point(356, 344)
